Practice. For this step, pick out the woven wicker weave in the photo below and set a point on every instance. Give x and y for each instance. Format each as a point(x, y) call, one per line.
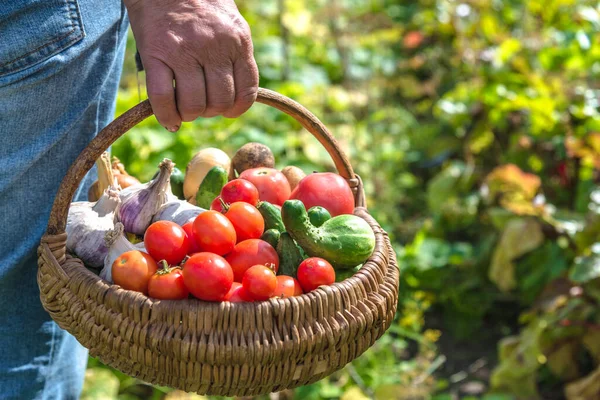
point(229, 349)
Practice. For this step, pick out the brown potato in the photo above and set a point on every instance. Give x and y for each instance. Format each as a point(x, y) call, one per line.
point(251, 155)
point(293, 175)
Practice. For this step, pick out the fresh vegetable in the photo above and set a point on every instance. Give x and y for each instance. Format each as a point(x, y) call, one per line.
point(314, 272)
point(198, 167)
point(289, 255)
point(207, 276)
point(117, 243)
point(287, 287)
point(167, 284)
point(124, 180)
point(165, 240)
point(294, 175)
point(133, 269)
point(318, 215)
point(345, 241)
point(272, 185)
point(213, 232)
point(217, 204)
point(177, 178)
point(211, 186)
point(327, 190)
point(271, 236)
point(259, 282)
point(176, 182)
point(237, 294)
point(246, 220)
point(251, 252)
point(140, 203)
point(240, 190)
point(272, 216)
point(251, 155)
point(178, 211)
point(87, 224)
point(189, 231)
point(105, 178)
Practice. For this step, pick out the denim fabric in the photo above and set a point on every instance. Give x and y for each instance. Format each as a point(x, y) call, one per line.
point(60, 63)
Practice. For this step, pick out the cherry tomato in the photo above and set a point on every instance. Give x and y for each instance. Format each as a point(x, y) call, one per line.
point(251, 252)
point(167, 284)
point(216, 204)
point(287, 287)
point(260, 282)
point(165, 240)
point(213, 232)
point(237, 294)
point(188, 227)
point(314, 272)
point(207, 276)
point(239, 190)
point(327, 190)
point(133, 269)
point(272, 185)
point(247, 221)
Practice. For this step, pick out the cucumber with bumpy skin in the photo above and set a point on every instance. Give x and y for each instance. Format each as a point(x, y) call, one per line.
point(345, 240)
point(271, 215)
point(318, 215)
point(271, 236)
point(289, 255)
point(211, 186)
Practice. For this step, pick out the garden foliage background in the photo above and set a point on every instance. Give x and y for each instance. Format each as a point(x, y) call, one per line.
point(476, 128)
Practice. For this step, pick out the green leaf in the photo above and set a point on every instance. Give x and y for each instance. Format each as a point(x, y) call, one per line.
point(519, 237)
point(100, 384)
point(585, 269)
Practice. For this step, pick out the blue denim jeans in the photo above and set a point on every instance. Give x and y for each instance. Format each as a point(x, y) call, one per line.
point(60, 63)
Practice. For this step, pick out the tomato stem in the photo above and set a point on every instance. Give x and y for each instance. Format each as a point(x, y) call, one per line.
point(165, 268)
point(224, 205)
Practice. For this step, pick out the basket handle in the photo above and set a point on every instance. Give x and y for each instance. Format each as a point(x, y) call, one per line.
point(89, 155)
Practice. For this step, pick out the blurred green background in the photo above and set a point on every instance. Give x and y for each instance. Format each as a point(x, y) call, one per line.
point(475, 126)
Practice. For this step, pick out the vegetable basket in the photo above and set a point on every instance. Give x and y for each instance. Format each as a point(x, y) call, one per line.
point(228, 349)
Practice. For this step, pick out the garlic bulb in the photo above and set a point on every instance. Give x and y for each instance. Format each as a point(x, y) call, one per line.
point(139, 203)
point(178, 211)
point(117, 244)
point(86, 225)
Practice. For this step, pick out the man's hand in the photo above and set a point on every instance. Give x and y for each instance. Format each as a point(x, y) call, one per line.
point(206, 47)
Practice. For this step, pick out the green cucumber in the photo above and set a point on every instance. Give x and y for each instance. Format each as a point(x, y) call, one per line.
point(271, 236)
point(176, 182)
point(211, 186)
point(345, 240)
point(318, 215)
point(289, 255)
point(271, 215)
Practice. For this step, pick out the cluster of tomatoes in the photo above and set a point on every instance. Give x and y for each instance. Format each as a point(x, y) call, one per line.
point(218, 256)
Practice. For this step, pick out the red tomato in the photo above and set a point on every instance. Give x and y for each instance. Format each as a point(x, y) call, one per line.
point(260, 282)
point(213, 232)
point(287, 287)
point(237, 294)
point(167, 284)
point(314, 272)
point(216, 204)
point(133, 269)
point(165, 240)
point(188, 227)
point(272, 185)
point(251, 252)
point(207, 276)
point(239, 190)
point(247, 221)
point(327, 190)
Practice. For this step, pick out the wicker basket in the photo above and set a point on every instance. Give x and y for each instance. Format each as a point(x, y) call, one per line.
point(229, 349)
